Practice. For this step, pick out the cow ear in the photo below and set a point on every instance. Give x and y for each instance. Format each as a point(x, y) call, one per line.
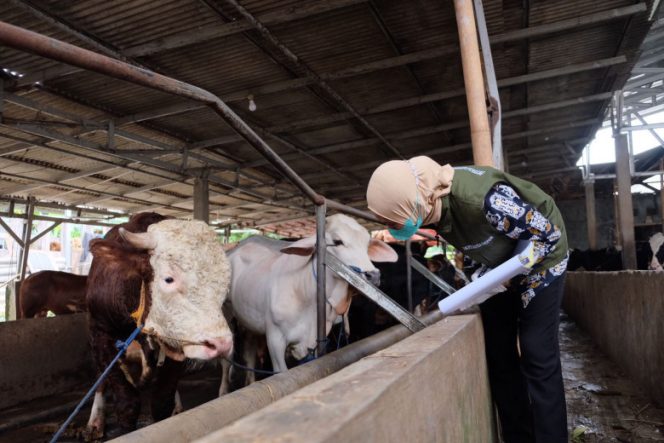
point(304, 247)
point(101, 248)
point(380, 251)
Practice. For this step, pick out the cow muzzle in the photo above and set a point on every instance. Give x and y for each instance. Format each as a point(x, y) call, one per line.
point(210, 348)
point(373, 277)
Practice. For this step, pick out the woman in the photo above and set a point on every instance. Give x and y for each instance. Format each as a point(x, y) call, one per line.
point(484, 212)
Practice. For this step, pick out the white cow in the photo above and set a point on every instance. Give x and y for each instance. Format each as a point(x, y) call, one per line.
point(273, 288)
point(656, 242)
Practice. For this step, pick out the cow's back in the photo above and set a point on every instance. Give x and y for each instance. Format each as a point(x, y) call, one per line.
point(59, 292)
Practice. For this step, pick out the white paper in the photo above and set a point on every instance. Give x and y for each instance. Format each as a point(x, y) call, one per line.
point(481, 289)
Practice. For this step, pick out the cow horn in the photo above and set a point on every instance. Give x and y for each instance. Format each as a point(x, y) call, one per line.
point(142, 240)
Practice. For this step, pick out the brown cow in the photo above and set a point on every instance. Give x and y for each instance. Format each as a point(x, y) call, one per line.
point(180, 273)
point(58, 292)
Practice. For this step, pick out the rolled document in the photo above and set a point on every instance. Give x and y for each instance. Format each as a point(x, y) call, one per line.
point(479, 290)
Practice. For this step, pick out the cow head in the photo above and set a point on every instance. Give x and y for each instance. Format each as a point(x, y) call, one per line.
point(188, 280)
point(351, 243)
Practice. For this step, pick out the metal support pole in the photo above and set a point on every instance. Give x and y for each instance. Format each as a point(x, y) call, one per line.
point(45, 231)
point(409, 275)
point(625, 209)
point(586, 163)
point(10, 231)
point(616, 215)
point(474, 82)
point(661, 193)
point(630, 145)
point(2, 98)
point(492, 85)
point(321, 296)
point(202, 199)
point(591, 218)
point(66, 240)
point(30, 210)
point(433, 278)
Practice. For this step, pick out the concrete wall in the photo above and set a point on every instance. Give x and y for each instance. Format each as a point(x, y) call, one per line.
point(623, 313)
point(646, 210)
point(43, 356)
point(430, 387)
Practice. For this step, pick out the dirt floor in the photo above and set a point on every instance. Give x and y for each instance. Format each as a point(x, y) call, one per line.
point(602, 404)
point(195, 389)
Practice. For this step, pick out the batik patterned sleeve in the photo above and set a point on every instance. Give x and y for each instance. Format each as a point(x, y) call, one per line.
point(513, 217)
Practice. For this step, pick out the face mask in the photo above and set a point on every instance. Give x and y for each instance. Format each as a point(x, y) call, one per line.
point(407, 231)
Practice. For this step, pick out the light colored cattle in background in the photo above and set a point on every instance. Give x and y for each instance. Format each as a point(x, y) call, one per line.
point(273, 289)
point(656, 242)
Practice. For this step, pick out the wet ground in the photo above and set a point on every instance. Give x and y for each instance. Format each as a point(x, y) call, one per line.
point(603, 405)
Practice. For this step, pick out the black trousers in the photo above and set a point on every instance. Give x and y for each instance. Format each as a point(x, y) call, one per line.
point(527, 387)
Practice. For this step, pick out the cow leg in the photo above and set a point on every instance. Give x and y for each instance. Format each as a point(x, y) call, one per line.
point(225, 377)
point(276, 344)
point(146, 366)
point(178, 404)
point(347, 324)
point(96, 423)
point(127, 400)
point(163, 394)
point(249, 355)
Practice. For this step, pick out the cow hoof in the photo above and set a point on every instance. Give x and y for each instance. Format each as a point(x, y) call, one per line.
point(94, 431)
point(118, 431)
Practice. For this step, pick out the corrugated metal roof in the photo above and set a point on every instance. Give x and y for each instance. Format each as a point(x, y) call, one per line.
point(240, 64)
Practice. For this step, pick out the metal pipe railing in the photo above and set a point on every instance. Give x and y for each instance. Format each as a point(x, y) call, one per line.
point(29, 41)
point(409, 274)
point(321, 307)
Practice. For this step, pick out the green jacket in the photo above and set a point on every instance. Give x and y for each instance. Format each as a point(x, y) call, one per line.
point(463, 222)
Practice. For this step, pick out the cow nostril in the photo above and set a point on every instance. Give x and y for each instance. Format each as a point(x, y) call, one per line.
point(373, 276)
point(218, 346)
point(208, 344)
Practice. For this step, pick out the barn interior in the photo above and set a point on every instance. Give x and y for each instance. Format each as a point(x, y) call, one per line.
point(333, 88)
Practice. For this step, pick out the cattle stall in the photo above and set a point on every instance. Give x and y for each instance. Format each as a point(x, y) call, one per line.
point(146, 141)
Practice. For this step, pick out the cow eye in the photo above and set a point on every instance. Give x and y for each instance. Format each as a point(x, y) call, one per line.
point(338, 242)
point(169, 280)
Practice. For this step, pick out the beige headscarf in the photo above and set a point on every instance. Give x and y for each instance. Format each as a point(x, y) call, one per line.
point(407, 189)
